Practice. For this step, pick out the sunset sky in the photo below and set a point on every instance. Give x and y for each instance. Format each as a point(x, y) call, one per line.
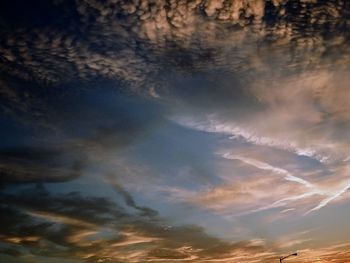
point(174, 131)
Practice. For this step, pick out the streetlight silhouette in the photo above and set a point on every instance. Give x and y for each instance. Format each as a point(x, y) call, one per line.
point(282, 258)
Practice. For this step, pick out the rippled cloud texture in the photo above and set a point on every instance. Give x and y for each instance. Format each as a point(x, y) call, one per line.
point(174, 131)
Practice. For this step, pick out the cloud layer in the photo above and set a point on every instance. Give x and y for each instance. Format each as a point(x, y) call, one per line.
point(174, 131)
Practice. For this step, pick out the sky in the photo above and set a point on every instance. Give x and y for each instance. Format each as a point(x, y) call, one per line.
point(174, 131)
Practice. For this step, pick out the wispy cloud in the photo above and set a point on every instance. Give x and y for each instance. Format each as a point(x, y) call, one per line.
point(130, 237)
point(332, 195)
point(265, 166)
point(234, 131)
point(313, 189)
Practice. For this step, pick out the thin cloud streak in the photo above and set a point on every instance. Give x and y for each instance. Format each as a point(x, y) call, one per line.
point(289, 177)
point(314, 190)
point(236, 132)
point(266, 166)
point(332, 197)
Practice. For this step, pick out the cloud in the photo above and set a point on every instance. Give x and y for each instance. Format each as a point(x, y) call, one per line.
point(84, 84)
point(244, 196)
point(236, 132)
point(338, 253)
point(331, 197)
point(307, 128)
point(102, 40)
point(266, 166)
point(265, 188)
point(92, 229)
point(71, 134)
point(129, 200)
point(47, 222)
point(38, 165)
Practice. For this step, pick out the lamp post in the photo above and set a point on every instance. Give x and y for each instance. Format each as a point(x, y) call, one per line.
point(282, 258)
